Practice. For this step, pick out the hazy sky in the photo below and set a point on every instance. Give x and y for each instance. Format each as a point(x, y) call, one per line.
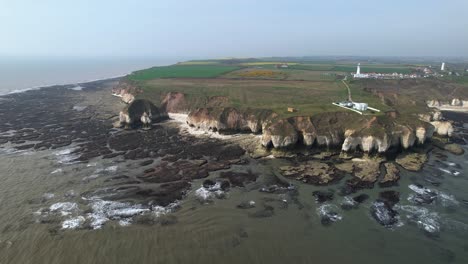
point(241, 28)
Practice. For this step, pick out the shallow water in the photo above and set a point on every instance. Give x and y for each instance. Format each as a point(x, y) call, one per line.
point(47, 202)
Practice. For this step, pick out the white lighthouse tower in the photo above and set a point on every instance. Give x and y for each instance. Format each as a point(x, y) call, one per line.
point(442, 68)
point(358, 73)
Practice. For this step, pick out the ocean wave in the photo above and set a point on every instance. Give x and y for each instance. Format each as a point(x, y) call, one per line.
point(422, 217)
point(207, 194)
point(328, 214)
point(66, 156)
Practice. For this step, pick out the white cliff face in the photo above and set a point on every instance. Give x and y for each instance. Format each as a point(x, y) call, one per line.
point(407, 138)
point(433, 103)
point(124, 118)
point(309, 139)
point(128, 98)
point(145, 119)
point(284, 141)
point(456, 102)
point(443, 128)
point(366, 143)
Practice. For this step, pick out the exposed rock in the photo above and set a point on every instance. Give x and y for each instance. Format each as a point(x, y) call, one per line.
point(140, 112)
point(345, 166)
point(229, 119)
point(328, 214)
point(323, 196)
point(454, 149)
point(280, 134)
point(175, 102)
point(361, 198)
point(246, 205)
point(456, 102)
point(443, 128)
point(366, 173)
point(332, 129)
point(126, 91)
point(391, 175)
point(411, 161)
point(128, 98)
point(239, 179)
point(384, 214)
point(313, 172)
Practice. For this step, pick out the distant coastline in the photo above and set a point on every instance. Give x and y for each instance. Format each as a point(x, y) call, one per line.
point(20, 74)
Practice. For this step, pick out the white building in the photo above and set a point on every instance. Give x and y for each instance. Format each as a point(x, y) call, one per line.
point(442, 68)
point(360, 106)
point(358, 73)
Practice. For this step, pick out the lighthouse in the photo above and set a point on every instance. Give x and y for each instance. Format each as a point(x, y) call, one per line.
point(358, 73)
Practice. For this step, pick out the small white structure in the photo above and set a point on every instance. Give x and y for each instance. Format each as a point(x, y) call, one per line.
point(442, 68)
point(360, 106)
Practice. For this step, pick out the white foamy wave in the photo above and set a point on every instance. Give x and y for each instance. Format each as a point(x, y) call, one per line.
point(57, 171)
point(104, 211)
point(428, 195)
point(422, 217)
point(73, 223)
point(77, 88)
point(329, 212)
point(67, 156)
point(64, 208)
point(445, 170)
point(79, 108)
point(206, 195)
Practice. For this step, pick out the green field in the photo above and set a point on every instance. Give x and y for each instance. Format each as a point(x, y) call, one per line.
point(181, 71)
point(308, 87)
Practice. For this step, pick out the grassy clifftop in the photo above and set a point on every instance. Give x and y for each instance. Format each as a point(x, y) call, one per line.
point(308, 87)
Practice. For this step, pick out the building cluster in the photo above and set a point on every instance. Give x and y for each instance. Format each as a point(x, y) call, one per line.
point(420, 72)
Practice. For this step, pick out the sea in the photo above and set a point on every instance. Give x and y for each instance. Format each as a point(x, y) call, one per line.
point(25, 73)
point(55, 208)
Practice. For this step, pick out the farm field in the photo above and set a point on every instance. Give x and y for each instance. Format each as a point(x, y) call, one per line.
point(270, 73)
point(181, 71)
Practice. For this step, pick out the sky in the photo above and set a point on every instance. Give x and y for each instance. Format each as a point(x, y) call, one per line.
point(238, 28)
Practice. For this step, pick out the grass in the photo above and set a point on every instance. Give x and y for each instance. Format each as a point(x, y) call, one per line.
point(181, 71)
point(309, 97)
point(308, 87)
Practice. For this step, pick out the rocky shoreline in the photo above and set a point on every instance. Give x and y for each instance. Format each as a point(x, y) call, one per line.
point(165, 159)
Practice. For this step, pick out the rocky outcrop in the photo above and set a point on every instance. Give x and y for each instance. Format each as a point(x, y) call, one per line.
point(454, 149)
point(126, 91)
point(455, 104)
point(412, 161)
point(175, 102)
point(312, 172)
point(391, 175)
point(280, 134)
point(138, 113)
point(337, 129)
point(230, 119)
point(443, 128)
point(432, 116)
